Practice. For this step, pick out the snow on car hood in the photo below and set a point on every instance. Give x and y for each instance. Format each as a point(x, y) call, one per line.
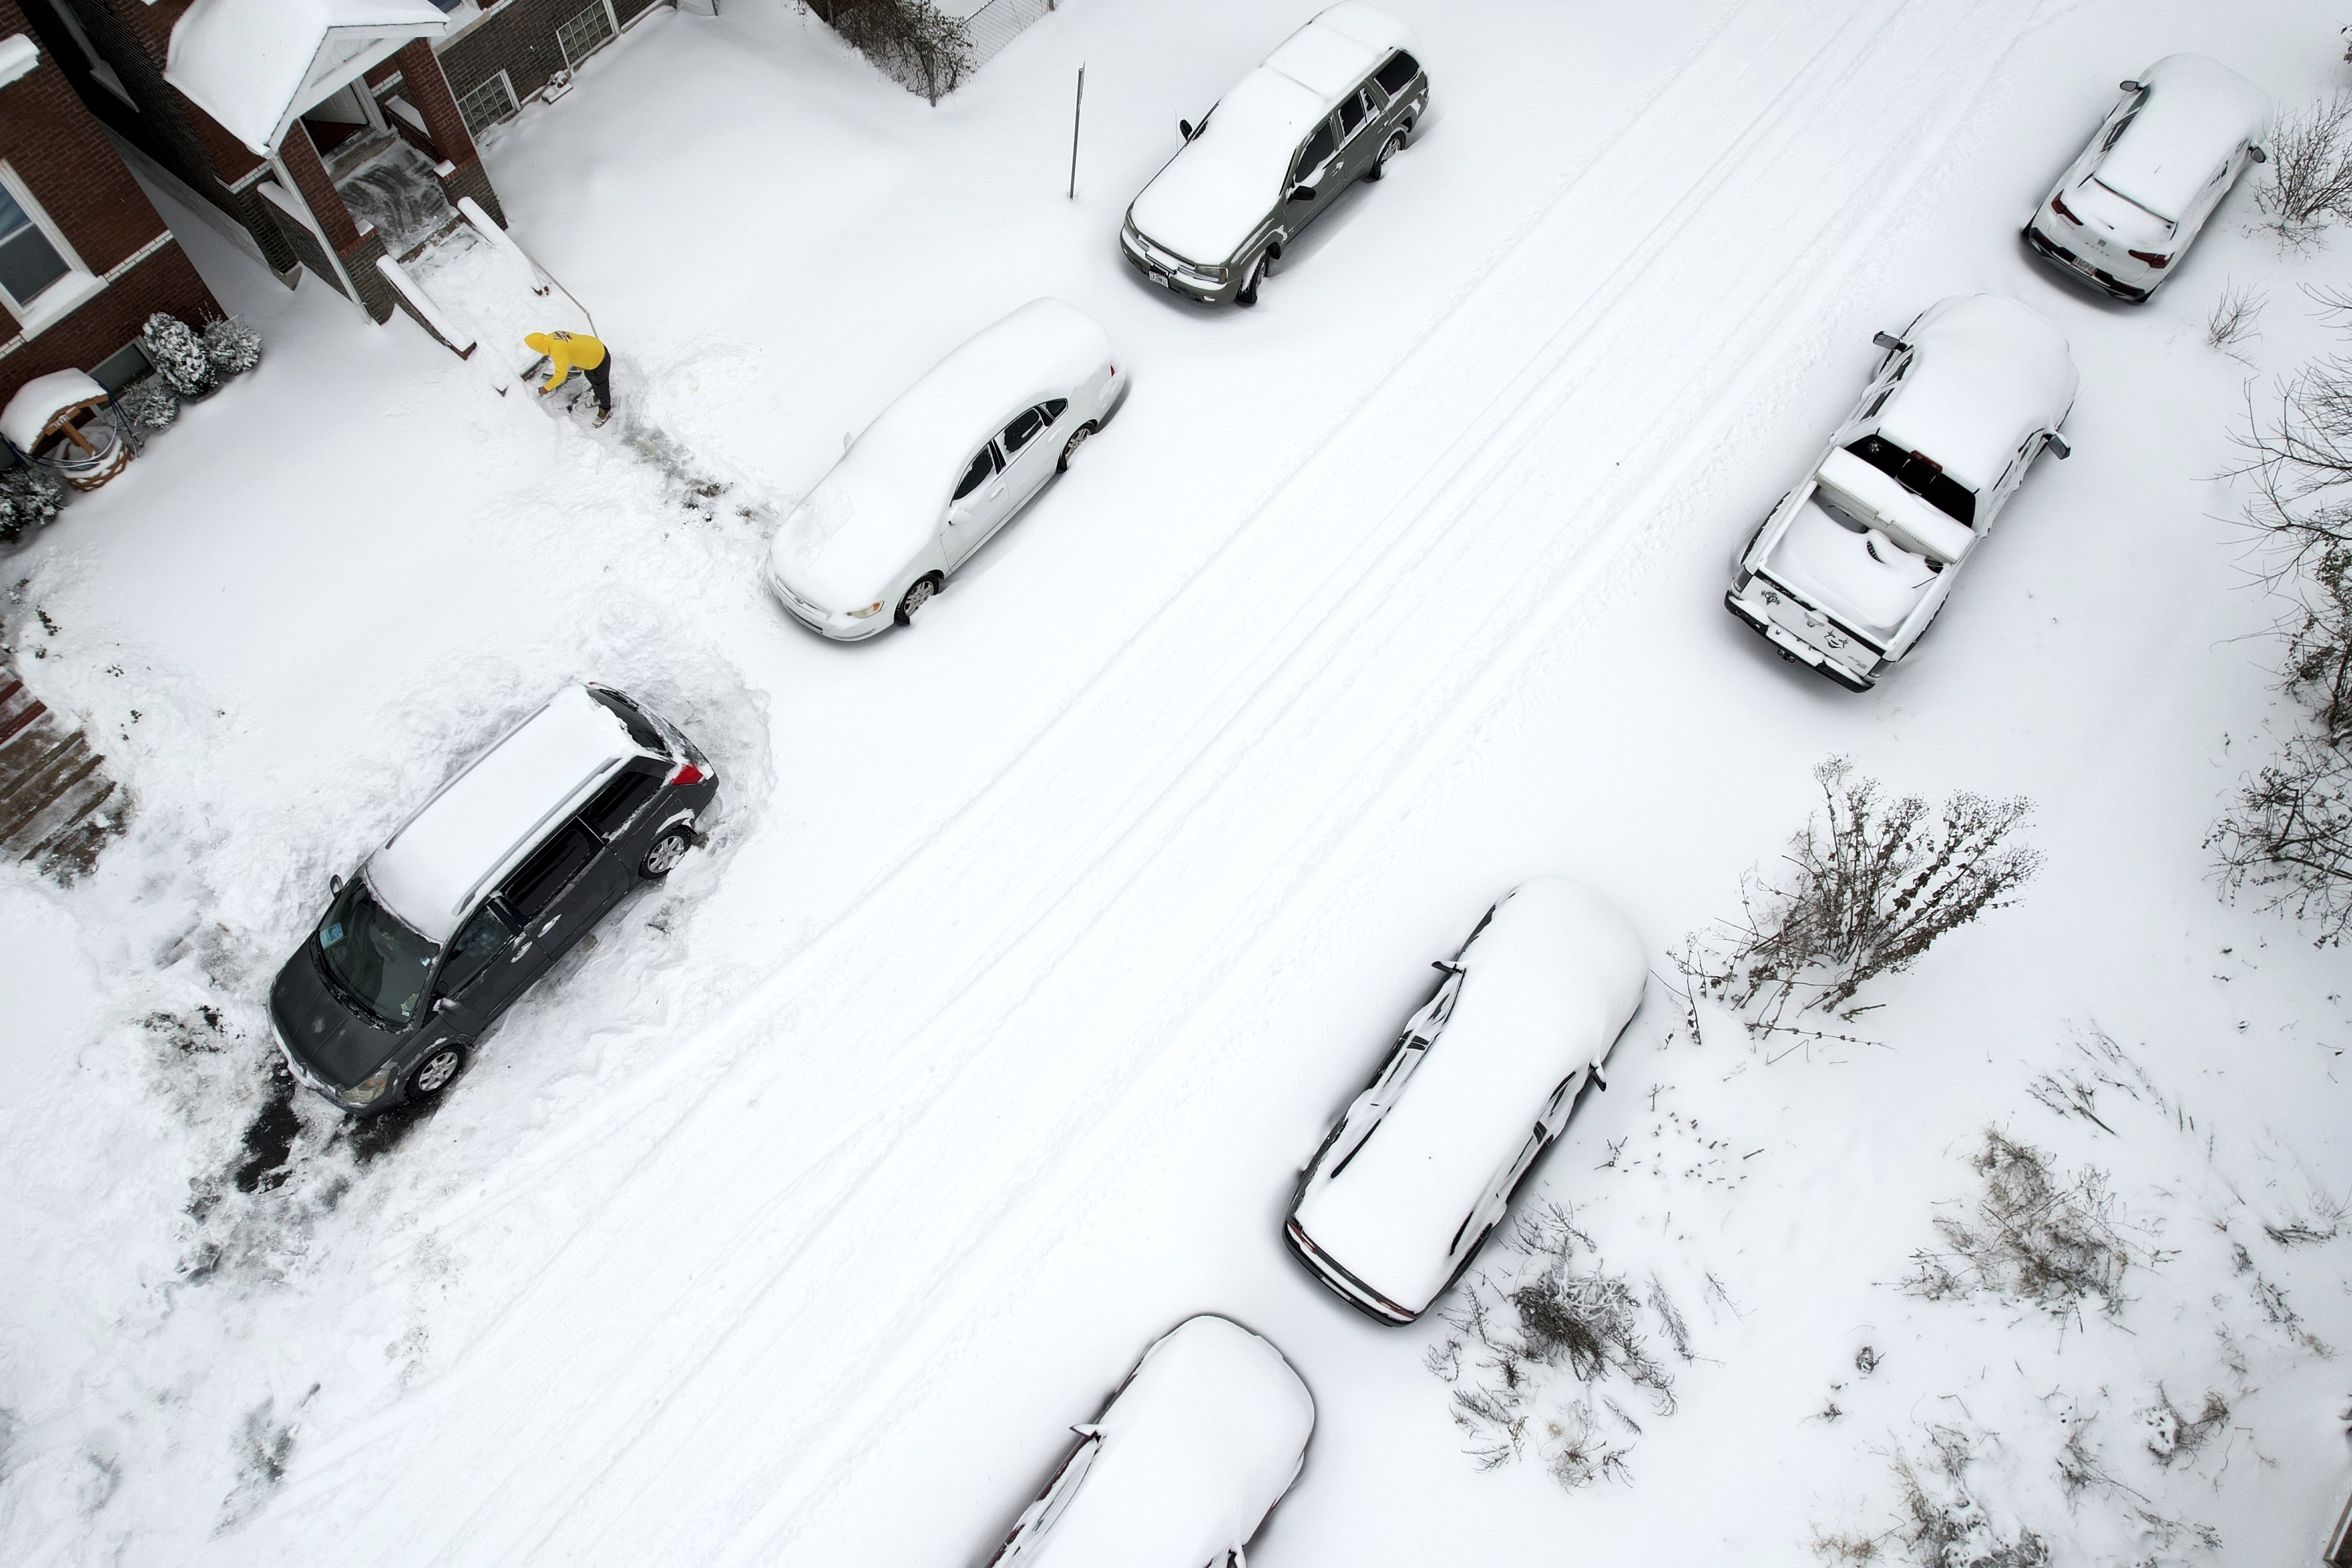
point(851, 536)
point(1205, 1439)
point(1214, 193)
point(1546, 988)
point(1987, 373)
point(2196, 113)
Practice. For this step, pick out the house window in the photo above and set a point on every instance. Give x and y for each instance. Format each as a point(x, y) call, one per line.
point(586, 33)
point(34, 257)
point(488, 104)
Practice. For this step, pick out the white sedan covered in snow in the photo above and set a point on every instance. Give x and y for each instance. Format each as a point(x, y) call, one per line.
point(1181, 1467)
point(1853, 564)
point(1420, 1169)
point(2160, 162)
point(941, 469)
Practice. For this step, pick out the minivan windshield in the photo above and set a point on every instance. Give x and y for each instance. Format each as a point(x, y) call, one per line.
point(372, 957)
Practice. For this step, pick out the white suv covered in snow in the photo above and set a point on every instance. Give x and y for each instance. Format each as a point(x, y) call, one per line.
point(2160, 162)
point(1853, 564)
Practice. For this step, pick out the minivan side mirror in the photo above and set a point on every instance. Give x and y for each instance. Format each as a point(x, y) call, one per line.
point(1184, 128)
point(443, 1004)
point(2259, 155)
point(1889, 341)
point(335, 882)
point(1302, 194)
point(2129, 86)
point(2058, 446)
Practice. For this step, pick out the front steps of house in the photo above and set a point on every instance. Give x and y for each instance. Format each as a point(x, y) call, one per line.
point(57, 811)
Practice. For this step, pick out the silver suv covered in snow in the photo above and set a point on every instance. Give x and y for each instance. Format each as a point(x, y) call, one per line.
point(2159, 165)
point(480, 893)
point(1330, 106)
point(1853, 564)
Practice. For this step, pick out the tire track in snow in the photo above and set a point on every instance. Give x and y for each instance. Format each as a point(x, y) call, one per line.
point(1365, 623)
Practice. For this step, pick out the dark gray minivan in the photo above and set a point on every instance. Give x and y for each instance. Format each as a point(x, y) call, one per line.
point(1330, 106)
point(482, 891)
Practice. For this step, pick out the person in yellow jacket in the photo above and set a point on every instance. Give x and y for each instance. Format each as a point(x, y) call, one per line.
point(567, 351)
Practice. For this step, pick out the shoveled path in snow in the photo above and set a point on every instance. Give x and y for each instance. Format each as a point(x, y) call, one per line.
point(760, 1245)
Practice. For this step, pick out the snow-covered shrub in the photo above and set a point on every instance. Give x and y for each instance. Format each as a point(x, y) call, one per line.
point(2031, 1237)
point(232, 347)
point(29, 499)
point(1869, 890)
point(1527, 1317)
point(2310, 170)
point(1943, 1523)
point(148, 403)
point(178, 355)
point(914, 43)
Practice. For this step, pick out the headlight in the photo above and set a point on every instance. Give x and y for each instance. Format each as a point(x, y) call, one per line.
point(873, 609)
point(369, 1090)
point(1212, 277)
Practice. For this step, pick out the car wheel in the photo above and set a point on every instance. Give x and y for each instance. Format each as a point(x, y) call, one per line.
point(662, 858)
point(1078, 439)
point(1388, 149)
point(919, 595)
point(1252, 278)
point(436, 1071)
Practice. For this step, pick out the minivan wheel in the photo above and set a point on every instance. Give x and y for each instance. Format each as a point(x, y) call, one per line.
point(918, 595)
point(1078, 439)
point(662, 858)
point(1250, 280)
point(436, 1071)
point(1388, 149)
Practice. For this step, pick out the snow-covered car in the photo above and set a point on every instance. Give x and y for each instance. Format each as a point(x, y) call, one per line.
point(1331, 106)
point(1183, 1465)
point(2167, 151)
point(478, 894)
point(943, 468)
point(1853, 564)
point(1420, 1169)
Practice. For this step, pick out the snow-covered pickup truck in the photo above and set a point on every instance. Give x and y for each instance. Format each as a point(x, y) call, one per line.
point(1853, 564)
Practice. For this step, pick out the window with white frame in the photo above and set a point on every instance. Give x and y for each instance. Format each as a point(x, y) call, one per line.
point(586, 33)
point(38, 270)
point(488, 104)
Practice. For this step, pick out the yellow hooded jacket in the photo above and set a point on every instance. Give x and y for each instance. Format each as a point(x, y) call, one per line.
point(565, 351)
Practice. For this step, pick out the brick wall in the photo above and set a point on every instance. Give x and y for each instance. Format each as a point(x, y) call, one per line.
point(56, 148)
point(518, 37)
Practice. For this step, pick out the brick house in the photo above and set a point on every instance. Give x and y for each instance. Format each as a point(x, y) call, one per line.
point(84, 256)
point(499, 53)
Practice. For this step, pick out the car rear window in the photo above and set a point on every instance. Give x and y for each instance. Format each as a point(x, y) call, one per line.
point(1399, 71)
point(1920, 475)
point(641, 728)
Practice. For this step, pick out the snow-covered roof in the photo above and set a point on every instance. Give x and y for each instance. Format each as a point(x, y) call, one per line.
point(1214, 193)
point(431, 872)
point(848, 541)
point(1546, 987)
point(19, 55)
point(41, 400)
point(1205, 1437)
point(1987, 373)
point(2197, 111)
point(254, 65)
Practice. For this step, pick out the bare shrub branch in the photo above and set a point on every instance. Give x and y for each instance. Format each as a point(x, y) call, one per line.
point(2289, 837)
point(911, 41)
point(2310, 170)
point(2233, 318)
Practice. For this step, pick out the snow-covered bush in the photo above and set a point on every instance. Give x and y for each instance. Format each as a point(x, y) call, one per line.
point(29, 499)
point(178, 355)
point(1944, 1524)
point(2032, 1237)
point(914, 43)
point(1869, 891)
point(148, 403)
point(232, 347)
point(2310, 170)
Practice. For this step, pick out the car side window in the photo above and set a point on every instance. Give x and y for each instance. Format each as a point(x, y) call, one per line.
point(1316, 151)
point(619, 800)
point(1352, 115)
point(981, 467)
point(479, 942)
point(1053, 407)
point(1023, 429)
point(534, 884)
point(2118, 133)
point(1395, 76)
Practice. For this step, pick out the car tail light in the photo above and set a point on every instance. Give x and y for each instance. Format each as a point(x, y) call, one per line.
point(2153, 258)
point(2058, 205)
point(688, 773)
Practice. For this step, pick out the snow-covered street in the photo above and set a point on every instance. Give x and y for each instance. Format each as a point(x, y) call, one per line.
point(1036, 946)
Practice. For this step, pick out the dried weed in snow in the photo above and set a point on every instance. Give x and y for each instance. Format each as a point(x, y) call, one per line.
point(1942, 1524)
point(2032, 1237)
point(2173, 1436)
point(2232, 320)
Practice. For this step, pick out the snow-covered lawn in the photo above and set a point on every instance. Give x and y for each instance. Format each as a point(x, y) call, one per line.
point(797, 1219)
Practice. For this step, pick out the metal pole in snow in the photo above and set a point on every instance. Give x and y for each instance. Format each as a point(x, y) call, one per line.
point(1076, 110)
